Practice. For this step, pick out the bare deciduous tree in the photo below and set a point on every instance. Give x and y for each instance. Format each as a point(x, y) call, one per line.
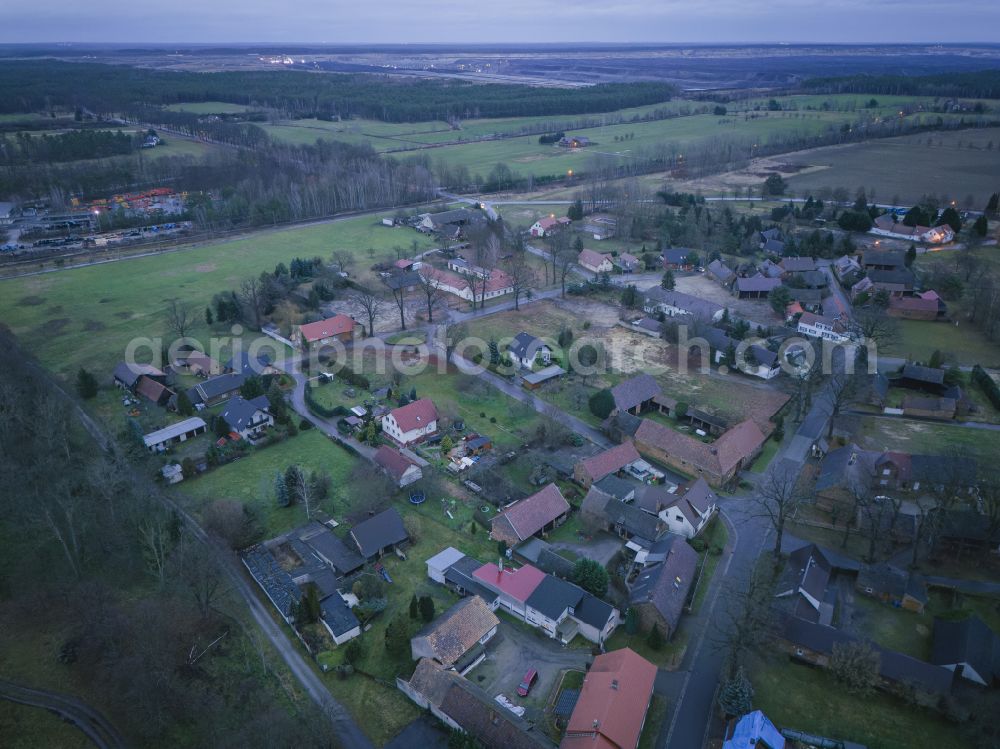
point(252, 298)
point(522, 275)
point(434, 295)
point(778, 498)
point(371, 304)
point(179, 318)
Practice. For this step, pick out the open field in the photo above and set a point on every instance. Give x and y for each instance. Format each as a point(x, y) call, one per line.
point(921, 437)
point(809, 699)
point(208, 107)
point(87, 316)
point(956, 164)
point(963, 344)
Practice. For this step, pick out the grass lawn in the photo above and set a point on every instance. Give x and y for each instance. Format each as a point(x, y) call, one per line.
point(25, 727)
point(208, 107)
point(87, 316)
point(763, 460)
point(809, 699)
point(668, 657)
point(658, 710)
point(965, 344)
point(920, 437)
point(251, 480)
point(716, 536)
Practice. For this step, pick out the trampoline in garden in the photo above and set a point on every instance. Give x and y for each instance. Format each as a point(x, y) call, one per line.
point(417, 497)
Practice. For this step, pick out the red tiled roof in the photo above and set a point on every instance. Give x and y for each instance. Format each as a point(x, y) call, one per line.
point(915, 304)
point(415, 415)
point(609, 461)
point(717, 458)
point(527, 516)
point(591, 258)
point(613, 702)
point(333, 326)
point(393, 461)
point(519, 584)
point(444, 277)
point(151, 389)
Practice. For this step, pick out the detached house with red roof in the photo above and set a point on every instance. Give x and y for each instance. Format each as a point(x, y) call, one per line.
point(343, 328)
point(530, 516)
point(595, 262)
point(611, 710)
point(401, 469)
point(512, 587)
point(411, 423)
point(547, 226)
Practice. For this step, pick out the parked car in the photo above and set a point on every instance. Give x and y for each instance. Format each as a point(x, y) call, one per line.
point(529, 679)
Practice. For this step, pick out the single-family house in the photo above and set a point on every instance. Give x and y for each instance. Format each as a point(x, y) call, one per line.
point(450, 222)
point(883, 259)
point(797, 264)
point(929, 407)
point(969, 648)
point(752, 731)
point(602, 512)
point(563, 610)
point(605, 463)
point(595, 262)
point(456, 639)
point(897, 282)
point(526, 350)
point(574, 141)
point(512, 587)
point(539, 513)
point(315, 543)
point(676, 303)
point(821, 326)
point(845, 268)
point(659, 594)
point(611, 710)
point(548, 225)
point(379, 534)
point(197, 363)
point(182, 431)
point(689, 511)
point(627, 262)
point(805, 585)
point(886, 226)
point(678, 258)
point(403, 282)
point(890, 584)
point(249, 364)
point(126, 375)
point(769, 235)
point(469, 286)
point(401, 469)
point(248, 418)
point(342, 328)
point(338, 619)
point(412, 423)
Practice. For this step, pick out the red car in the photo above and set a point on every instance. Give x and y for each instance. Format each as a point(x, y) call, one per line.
point(525, 686)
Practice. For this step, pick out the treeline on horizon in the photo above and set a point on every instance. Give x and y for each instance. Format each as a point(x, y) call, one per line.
point(43, 85)
point(983, 84)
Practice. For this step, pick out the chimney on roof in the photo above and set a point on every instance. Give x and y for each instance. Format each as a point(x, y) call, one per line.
point(614, 684)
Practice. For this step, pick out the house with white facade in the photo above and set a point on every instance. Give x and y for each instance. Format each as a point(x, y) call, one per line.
point(526, 350)
point(595, 262)
point(827, 328)
point(248, 418)
point(411, 423)
point(679, 304)
point(690, 512)
point(547, 226)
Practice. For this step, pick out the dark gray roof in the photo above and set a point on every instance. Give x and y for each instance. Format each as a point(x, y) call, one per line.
point(665, 585)
point(892, 581)
point(691, 304)
point(249, 365)
point(129, 374)
point(525, 345)
point(277, 583)
point(216, 386)
point(889, 258)
point(239, 413)
point(814, 278)
point(893, 666)
point(593, 611)
point(337, 614)
point(967, 641)
point(616, 487)
point(757, 283)
point(930, 375)
point(455, 216)
point(627, 423)
point(848, 467)
point(403, 280)
point(773, 233)
point(634, 521)
point(635, 390)
point(904, 277)
point(677, 256)
point(333, 550)
point(378, 532)
point(553, 596)
point(461, 574)
point(775, 246)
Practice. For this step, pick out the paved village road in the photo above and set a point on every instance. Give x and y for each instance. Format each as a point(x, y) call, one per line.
point(89, 721)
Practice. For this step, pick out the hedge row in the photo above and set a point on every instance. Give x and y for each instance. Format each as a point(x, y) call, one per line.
point(988, 385)
point(319, 409)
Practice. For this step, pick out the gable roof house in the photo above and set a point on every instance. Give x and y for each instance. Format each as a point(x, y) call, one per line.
point(753, 731)
point(601, 511)
point(250, 364)
point(676, 259)
point(465, 707)
point(563, 610)
point(660, 592)
point(820, 326)
point(896, 282)
point(845, 473)
point(635, 394)
point(595, 262)
point(627, 262)
point(397, 466)
point(248, 418)
point(414, 422)
point(456, 638)
point(926, 379)
point(969, 648)
point(548, 225)
point(343, 328)
point(805, 583)
point(215, 390)
point(611, 710)
point(197, 363)
point(677, 303)
point(846, 267)
point(796, 264)
point(606, 463)
point(511, 587)
point(379, 533)
point(539, 513)
point(526, 349)
point(315, 540)
point(883, 259)
point(689, 512)
point(926, 306)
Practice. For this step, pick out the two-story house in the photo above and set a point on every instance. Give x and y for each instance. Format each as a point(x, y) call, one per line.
point(248, 418)
point(827, 328)
point(690, 512)
point(411, 423)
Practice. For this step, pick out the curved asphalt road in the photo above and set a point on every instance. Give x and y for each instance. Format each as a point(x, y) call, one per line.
point(90, 722)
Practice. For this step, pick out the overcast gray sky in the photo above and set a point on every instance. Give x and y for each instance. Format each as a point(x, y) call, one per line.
point(451, 21)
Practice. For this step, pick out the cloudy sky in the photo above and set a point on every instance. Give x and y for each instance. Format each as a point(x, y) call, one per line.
point(450, 21)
